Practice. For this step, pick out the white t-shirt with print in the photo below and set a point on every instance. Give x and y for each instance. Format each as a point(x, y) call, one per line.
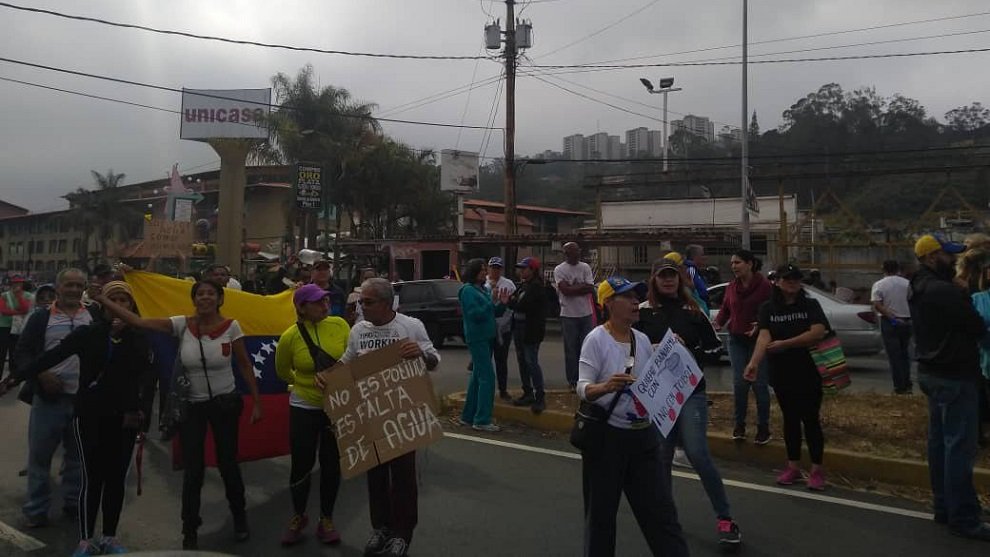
point(601, 358)
point(218, 350)
point(366, 337)
point(574, 306)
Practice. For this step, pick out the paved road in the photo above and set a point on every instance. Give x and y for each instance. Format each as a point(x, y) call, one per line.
point(869, 373)
point(514, 494)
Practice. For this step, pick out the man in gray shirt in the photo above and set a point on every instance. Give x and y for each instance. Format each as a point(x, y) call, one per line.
point(575, 286)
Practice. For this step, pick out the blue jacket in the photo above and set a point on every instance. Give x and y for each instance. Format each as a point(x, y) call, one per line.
point(700, 286)
point(479, 313)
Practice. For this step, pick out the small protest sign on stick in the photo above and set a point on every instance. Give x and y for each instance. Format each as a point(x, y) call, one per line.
point(382, 407)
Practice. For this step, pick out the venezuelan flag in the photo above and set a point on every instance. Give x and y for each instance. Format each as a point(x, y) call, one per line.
point(263, 320)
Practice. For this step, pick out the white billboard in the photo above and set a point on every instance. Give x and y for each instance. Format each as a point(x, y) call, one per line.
point(230, 113)
point(459, 171)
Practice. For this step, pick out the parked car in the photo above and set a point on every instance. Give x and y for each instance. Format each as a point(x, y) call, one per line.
point(855, 324)
point(435, 303)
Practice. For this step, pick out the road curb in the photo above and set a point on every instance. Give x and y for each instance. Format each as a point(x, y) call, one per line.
point(840, 462)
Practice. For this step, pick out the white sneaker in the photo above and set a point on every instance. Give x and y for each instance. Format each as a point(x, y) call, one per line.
point(680, 458)
point(490, 428)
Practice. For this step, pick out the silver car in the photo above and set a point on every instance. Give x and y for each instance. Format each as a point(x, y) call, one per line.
point(855, 324)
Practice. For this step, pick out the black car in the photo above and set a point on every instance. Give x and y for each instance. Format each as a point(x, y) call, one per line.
point(435, 303)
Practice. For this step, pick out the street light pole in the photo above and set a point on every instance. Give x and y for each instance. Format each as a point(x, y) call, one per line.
point(744, 155)
point(666, 138)
point(666, 86)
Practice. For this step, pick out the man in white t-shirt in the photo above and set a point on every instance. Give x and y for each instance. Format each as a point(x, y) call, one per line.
point(889, 296)
point(575, 285)
point(393, 500)
point(496, 284)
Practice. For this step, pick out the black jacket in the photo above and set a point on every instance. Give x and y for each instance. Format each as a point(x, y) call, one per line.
point(692, 326)
point(947, 329)
point(31, 344)
point(530, 300)
point(113, 373)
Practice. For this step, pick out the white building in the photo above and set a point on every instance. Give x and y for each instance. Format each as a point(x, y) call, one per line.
point(700, 126)
point(616, 148)
point(637, 142)
point(575, 147)
point(598, 146)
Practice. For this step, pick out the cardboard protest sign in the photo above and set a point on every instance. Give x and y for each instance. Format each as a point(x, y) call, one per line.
point(165, 237)
point(382, 406)
point(666, 382)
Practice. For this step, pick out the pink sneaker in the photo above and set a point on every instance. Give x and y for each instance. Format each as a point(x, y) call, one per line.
point(294, 532)
point(789, 476)
point(326, 532)
point(816, 480)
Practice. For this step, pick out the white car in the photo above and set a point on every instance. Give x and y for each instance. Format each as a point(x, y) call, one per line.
point(855, 324)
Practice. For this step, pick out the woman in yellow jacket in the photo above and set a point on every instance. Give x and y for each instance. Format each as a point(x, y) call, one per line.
point(311, 345)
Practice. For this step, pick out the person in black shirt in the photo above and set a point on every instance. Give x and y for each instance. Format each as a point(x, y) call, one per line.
point(114, 369)
point(529, 325)
point(671, 306)
point(790, 324)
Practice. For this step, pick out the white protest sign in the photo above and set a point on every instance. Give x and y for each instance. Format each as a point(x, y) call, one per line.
point(666, 382)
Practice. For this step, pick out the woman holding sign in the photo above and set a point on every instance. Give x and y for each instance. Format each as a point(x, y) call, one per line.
point(670, 306)
point(313, 344)
point(790, 324)
point(623, 451)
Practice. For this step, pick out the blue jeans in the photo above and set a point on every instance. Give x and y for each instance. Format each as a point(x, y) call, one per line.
point(896, 341)
point(480, 397)
point(740, 351)
point(953, 425)
point(691, 430)
point(528, 357)
point(49, 425)
point(574, 329)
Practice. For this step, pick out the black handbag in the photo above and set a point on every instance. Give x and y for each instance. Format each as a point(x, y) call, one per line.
point(177, 402)
point(591, 420)
point(321, 360)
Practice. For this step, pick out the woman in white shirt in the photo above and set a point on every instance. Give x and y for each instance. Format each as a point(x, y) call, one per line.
point(627, 458)
point(207, 345)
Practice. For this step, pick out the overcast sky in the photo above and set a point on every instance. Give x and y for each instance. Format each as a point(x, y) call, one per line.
point(51, 140)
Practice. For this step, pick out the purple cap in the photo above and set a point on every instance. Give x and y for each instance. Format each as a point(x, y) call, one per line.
point(308, 293)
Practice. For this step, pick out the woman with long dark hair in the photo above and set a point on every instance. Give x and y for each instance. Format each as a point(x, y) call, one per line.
point(790, 324)
point(743, 297)
point(479, 333)
point(114, 364)
point(529, 325)
point(670, 306)
point(208, 344)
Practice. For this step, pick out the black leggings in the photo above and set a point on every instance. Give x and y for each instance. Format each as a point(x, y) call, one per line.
point(307, 430)
point(802, 407)
point(105, 452)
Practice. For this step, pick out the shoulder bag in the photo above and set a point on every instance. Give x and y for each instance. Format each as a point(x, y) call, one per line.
point(830, 360)
point(177, 402)
point(321, 360)
point(591, 420)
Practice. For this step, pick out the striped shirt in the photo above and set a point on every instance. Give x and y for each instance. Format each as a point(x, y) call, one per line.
point(60, 324)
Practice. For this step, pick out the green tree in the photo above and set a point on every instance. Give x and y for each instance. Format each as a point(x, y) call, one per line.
point(101, 211)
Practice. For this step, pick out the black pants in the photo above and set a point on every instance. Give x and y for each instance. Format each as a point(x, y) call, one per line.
point(630, 462)
point(223, 419)
point(500, 353)
point(393, 496)
point(802, 407)
point(309, 432)
point(105, 451)
point(7, 344)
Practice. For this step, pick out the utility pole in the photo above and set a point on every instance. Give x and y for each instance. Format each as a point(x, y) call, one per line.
point(511, 228)
point(744, 169)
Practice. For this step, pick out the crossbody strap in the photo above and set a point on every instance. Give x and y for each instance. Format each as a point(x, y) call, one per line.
point(314, 350)
point(629, 368)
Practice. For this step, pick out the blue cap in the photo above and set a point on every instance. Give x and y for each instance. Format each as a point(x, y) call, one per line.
point(496, 262)
point(618, 285)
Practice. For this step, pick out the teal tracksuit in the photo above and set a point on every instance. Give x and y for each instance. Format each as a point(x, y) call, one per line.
point(479, 334)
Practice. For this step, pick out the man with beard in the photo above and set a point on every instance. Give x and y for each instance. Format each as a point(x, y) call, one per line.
point(947, 333)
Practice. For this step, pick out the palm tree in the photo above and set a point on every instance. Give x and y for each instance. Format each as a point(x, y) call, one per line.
point(101, 211)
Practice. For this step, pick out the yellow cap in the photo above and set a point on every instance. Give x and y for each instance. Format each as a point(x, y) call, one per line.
point(675, 257)
point(618, 285)
point(928, 244)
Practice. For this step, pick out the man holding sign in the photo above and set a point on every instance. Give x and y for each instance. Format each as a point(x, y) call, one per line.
point(393, 499)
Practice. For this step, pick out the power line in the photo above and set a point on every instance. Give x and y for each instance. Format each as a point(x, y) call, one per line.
point(443, 95)
point(493, 113)
point(233, 41)
point(221, 97)
point(590, 98)
point(603, 29)
point(91, 96)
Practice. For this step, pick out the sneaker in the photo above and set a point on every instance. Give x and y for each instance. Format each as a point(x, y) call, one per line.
point(395, 547)
point(459, 422)
point(490, 428)
point(109, 545)
point(36, 521)
point(504, 395)
point(979, 532)
point(680, 458)
point(525, 400)
point(326, 532)
point(190, 541)
point(376, 543)
point(85, 548)
point(739, 433)
point(789, 476)
point(816, 480)
point(762, 436)
point(538, 407)
point(728, 532)
point(294, 532)
point(241, 530)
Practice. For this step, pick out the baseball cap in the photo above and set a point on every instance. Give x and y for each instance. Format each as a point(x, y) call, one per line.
point(528, 263)
point(321, 263)
point(618, 285)
point(665, 263)
point(789, 271)
point(496, 262)
point(930, 243)
point(308, 293)
point(677, 258)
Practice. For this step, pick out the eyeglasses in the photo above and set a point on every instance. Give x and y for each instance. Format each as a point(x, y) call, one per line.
point(368, 301)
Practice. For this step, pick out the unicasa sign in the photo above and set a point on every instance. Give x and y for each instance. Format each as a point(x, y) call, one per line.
point(225, 113)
